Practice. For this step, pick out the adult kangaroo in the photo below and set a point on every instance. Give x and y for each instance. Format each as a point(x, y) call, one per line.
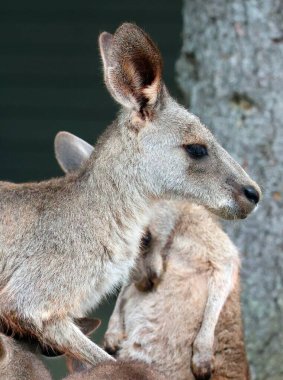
point(67, 242)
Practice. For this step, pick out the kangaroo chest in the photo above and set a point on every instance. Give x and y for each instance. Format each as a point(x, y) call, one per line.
point(120, 255)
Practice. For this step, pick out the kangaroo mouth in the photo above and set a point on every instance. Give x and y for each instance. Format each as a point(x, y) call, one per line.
point(230, 212)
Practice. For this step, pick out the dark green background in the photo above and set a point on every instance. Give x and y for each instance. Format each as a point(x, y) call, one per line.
point(51, 78)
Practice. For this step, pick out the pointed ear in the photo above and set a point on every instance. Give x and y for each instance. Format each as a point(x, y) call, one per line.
point(132, 67)
point(71, 152)
point(88, 325)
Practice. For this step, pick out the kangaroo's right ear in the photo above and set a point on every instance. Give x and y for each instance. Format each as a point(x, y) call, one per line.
point(71, 152)
point(132, 67)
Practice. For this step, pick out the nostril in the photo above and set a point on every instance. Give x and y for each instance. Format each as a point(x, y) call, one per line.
point(252, 194)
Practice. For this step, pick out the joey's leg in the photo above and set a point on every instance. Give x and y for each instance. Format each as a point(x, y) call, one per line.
point(219, 287)
point(151, 268)
point(67, 337)
point(115, 332)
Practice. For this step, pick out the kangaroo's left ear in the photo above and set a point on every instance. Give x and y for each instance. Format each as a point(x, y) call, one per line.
point(71, 152)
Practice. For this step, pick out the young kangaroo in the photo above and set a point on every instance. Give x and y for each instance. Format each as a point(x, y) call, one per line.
point(66, 243)
point(169, 314)
point(183, 236)
point(18, 363)
point(119, 370)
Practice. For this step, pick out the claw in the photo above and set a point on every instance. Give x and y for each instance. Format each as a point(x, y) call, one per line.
point(202, 371)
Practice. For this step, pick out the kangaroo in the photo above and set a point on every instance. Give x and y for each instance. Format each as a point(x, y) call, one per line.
point(200, 237)
point(17, 362)
point(119, 370)
point(179, 312)
point(67, 242)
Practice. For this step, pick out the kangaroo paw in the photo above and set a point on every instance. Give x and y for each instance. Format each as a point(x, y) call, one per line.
point(202, 366)
point(112, 342)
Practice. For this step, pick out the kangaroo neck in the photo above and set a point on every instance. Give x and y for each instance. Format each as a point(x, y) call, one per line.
point(119, 192)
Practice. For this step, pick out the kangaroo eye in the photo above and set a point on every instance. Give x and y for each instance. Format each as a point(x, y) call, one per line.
point(196, 151)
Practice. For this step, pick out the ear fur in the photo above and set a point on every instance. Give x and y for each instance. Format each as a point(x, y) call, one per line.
point(71, 152)
point(132, 67)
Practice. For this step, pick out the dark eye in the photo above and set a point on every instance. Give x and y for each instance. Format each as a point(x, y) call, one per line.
point(196, 151)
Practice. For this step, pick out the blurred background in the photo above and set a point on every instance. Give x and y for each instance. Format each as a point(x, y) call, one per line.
point(222, 59)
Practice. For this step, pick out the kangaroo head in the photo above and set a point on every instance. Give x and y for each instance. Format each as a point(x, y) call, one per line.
point(180, 156)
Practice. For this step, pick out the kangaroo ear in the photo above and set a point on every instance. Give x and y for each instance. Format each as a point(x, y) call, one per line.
point(132, 67)
point(88, 325)
point(71, 152)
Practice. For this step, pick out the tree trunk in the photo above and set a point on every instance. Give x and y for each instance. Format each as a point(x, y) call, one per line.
point(231, 75)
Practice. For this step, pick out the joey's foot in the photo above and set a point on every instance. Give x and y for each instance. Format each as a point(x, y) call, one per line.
point(112, 342)
point(202, 366)
point(148, 283)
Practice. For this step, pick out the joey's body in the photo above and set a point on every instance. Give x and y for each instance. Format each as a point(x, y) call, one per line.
point(160, 326)
point(66, 243)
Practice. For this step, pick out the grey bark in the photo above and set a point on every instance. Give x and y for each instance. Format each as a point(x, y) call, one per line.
point(231, 75)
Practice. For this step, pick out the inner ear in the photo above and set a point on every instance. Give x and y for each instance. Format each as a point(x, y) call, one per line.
point(132, 67)
point(71, 152)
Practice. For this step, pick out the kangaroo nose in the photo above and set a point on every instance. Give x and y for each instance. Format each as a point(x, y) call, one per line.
point(252, 194)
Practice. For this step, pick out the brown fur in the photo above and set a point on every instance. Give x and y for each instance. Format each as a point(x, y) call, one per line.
point(229, 352)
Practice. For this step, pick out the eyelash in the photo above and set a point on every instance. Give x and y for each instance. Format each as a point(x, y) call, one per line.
point(196, 151)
